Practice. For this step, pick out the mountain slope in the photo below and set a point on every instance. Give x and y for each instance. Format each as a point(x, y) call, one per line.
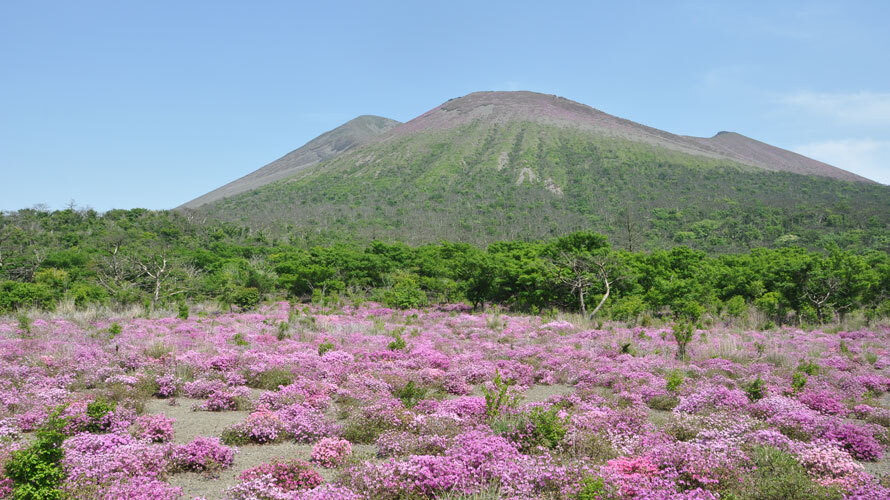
point(505, 107)
point(492, 166)
point(353, 133)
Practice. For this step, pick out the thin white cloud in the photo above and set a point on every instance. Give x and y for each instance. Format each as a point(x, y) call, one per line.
point(867, 157)
point(857, 108)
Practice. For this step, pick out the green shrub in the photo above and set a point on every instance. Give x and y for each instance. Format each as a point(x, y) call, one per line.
point(682, 333)
point(770, 304)
point(182, 310)
point(498, 397)
point(549, 427)
point(36, 471)
point(308, 322)
point(24, 323)
point(628, 308)
point(364, 430)
point(530, 430)
point(283, 330)
point(114, 330)
point(15, 295)
point(246, 298)
point(405, 293)
point(666, 402)
point(736, 307)
point(239, 340)
point(687, 311)
point(158, 350)
point(592, 488)
point(410, 394)
point(798, 381)
point(398, 344)
point(235, 437)
point(809, 367)
point(84, 294)
point(674, 381)
point(628, 348)
point(55, 279)
point(595, 447)
point(271, 379)
point(756, 389)
point(325, 347)
point(777, 475)
point(97, 410)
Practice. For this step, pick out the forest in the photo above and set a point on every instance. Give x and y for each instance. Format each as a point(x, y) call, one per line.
point(165, 259)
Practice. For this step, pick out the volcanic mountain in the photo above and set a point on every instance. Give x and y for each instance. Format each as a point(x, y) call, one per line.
point(497, 165)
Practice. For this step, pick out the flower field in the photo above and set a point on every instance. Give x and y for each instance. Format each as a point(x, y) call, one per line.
point(296, 402)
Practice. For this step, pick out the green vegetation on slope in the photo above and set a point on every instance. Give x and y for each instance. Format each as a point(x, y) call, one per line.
point(481, 183)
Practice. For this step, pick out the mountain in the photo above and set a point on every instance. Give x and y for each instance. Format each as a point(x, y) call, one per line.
point(353, 133)
point(504, 165)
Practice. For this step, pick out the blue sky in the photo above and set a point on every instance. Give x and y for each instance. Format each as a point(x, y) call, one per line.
point(150, 104)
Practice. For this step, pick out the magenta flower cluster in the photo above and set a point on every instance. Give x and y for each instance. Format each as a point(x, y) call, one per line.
point(331, 452)
point(578, 412)
point(156, 428)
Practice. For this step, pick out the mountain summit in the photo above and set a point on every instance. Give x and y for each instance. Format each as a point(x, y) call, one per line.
point(519, 165)
point(545, 109)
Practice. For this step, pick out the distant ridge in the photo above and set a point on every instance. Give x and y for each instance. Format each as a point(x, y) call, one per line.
point(353, 133)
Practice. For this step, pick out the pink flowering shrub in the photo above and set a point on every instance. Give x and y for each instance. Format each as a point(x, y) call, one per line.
point(167, 386)
point(200, 389)
point(711, 398)
point(155, 428)
point(879, 416)
point(305, 424)
point(331, 452)
point(308, 392)
point(599, 413)
point(823, 401)
point(8, 430)
point(830, 465)
point(289, 476)
point(203, 454)
point(97, 415)
point(98, 464)
point(400, 443)
point(856, 439)
point(261, 426)
point(225, 399)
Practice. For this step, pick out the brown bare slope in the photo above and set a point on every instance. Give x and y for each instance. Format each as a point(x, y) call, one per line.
point(499, 108)
point(752, 152)
point(353, 133)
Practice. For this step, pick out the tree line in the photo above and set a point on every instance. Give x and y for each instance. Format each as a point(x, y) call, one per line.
point(125, 257)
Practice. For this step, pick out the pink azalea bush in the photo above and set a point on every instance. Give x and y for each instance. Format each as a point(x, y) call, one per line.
point(277, 480)
point(577, 413)
point(203, 454)
point(331, 452)
point(156, 428)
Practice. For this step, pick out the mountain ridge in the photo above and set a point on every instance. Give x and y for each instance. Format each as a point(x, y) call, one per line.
point(550, 109)
point(351, 134)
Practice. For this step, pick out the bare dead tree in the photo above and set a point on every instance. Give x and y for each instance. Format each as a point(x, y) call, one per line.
point(579, 272)
point(819, 296)
point(604, 273)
